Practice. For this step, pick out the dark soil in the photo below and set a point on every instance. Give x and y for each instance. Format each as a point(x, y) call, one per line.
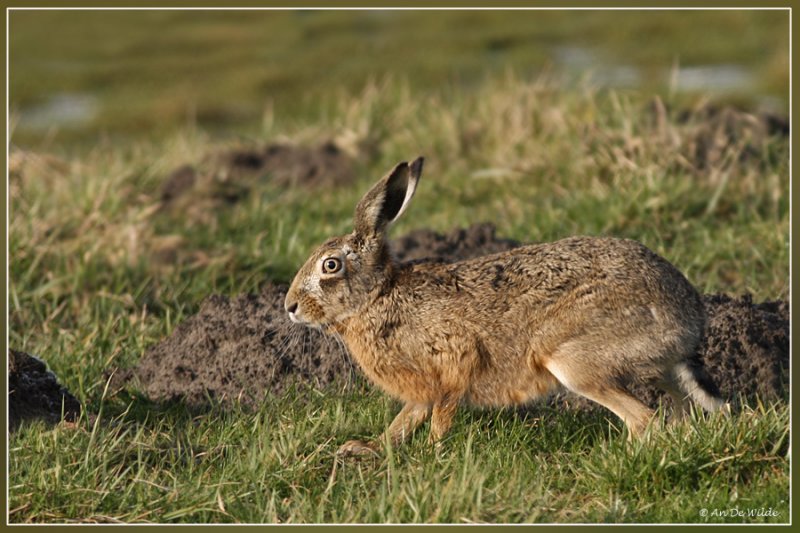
point(236, 349)
point(227, 177)
point(34, 393)
point(747, 346)
point(458, 245)
point(245, 347)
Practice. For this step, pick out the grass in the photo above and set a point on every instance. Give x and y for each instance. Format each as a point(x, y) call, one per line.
point(161, 463)
point(156, 71)
point(88, 294)
point(90, 289)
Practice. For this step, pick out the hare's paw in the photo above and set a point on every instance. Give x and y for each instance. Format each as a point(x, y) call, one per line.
point(358, 448)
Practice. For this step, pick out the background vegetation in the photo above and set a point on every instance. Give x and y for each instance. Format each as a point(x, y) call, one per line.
point(87, 75)
point(546, 123)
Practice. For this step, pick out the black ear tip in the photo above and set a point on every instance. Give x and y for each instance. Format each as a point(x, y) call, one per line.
point(416, 166)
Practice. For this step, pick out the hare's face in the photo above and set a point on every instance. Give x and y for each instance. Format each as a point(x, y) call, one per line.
point(338, 278)
point(334, 283)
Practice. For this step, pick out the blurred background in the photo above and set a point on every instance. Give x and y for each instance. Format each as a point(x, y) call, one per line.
point(79, 76)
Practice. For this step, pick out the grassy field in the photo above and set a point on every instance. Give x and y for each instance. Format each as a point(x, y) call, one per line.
point(163, 464)
point(89, 290)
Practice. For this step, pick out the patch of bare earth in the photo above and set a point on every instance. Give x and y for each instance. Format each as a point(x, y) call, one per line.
point(228, 176)
point(237, 349)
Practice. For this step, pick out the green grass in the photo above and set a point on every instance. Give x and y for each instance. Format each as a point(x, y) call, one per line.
point(164, 464)
point(88, 294)
point(89, 290)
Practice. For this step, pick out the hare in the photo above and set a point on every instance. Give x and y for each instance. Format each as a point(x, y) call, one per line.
point(592, 314)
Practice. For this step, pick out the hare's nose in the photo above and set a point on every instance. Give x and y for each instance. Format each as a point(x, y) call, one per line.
point(291, 308)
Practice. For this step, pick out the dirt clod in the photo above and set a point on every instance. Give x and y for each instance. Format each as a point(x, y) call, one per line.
point(246, 346)
point(34, 393)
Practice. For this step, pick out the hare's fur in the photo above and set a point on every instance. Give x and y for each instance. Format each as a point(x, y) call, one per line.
point(595, 315)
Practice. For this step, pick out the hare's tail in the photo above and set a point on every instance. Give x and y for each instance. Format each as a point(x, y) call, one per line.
point(698, 385)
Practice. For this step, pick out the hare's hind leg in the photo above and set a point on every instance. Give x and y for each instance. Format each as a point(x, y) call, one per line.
point(600, 389)
point(442, 418)
point(680, 399)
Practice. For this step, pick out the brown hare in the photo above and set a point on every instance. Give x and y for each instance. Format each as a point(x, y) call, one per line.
point(595, 315)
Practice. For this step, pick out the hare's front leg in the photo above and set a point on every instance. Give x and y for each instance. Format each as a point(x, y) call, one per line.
point(407, 420)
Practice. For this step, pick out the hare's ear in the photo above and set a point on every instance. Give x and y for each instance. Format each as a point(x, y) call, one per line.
point(387, 199)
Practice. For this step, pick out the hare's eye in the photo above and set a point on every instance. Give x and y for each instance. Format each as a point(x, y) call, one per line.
point(331, 265)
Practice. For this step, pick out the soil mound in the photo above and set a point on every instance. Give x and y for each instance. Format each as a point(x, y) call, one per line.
point(34, 392)
point(746, 348)
point(458, 245)
point(227, 177)
point(714, 137)
point(244, 347)
point(720, 133)
point(236, 349)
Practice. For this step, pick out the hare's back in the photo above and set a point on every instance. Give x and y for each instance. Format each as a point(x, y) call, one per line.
point(590, 270)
